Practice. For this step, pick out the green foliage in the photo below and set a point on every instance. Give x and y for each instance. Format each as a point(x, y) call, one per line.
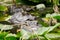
point(3, 8)
point(10, 37)
point(2, 35)
point(56, 2)
point(36, 0)
point(54, 15)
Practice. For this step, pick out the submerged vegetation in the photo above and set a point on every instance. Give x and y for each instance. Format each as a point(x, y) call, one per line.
point(29, 20)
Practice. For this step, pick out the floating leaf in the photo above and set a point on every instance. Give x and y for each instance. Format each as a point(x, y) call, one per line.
point(53, 27)
point(25, 34)
point(53, 36)
point(5, 27)
point(11, 37)
point(45, 30)
point(56, 16)
point(42, 30)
